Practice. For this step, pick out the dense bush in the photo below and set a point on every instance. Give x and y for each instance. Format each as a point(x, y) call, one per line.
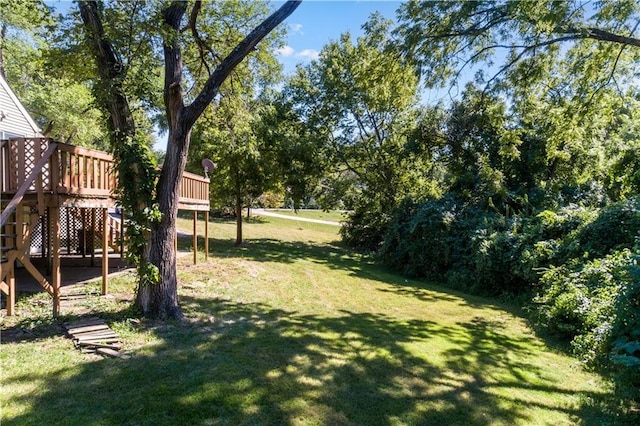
point(366, 226)
point(421, 240)
point(436, 239)
point(486, 252)
point(615, 227)
point(577, 301)
point(625, 336)
point(596, 306)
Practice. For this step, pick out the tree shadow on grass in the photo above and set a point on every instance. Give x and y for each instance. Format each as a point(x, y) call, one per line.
point(252, 364)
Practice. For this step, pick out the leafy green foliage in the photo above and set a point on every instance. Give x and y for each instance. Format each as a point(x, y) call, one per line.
point(534, 38)
point(57, 100)
point(617, 226)
point(595, 305)
point(360, 101)
point(137, 174)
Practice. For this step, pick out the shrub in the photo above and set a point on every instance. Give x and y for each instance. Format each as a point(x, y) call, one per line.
point(596, 305)
point(579, 301)
point(625, 335)
point(430, 238)
point(615, 227)
point(366, 226)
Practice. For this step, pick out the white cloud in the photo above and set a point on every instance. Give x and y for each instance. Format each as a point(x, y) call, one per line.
point(308, 53)
point(285, 51)
point(296, 28)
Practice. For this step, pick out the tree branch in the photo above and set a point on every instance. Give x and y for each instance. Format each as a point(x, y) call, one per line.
point(246, 46)
point(110, 68)
point(603, 35)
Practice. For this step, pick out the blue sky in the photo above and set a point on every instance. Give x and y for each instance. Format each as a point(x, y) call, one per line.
point(317, 22)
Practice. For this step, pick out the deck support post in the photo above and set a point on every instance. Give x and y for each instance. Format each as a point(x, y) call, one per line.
point(55, 273)
point(68, 223)
point(83, 236)
point(92, 237)
point(122, 233)
point(49, 242)
point(11, 296)
point(105, 252)
point(195, 237)
point(206, 235)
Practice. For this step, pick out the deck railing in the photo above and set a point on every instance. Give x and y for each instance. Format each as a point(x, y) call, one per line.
point(71, 169)
point(194, 190)
point(83, 171)
point(77, 171)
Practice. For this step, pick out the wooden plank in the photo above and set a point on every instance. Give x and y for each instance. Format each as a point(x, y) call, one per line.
point(87, 328)
point(95, 333)
point(11, 299)
point(40, 195)
point(65, 174)
point(92, 236)
point(99, 338)
point(114, 346)
point(55, 269)
point(72, 149)
point(54, 172)
point(94, 173)
point(105, 252)
point(112, 353)
point(206, 235)
point(103, 332)
point(72, 170)
point(195, 237)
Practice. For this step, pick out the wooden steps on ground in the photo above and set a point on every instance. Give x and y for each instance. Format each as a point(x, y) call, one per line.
point(93, 335)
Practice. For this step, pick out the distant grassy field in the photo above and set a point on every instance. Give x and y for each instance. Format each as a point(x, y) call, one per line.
point(333, 215)
point(293, 329)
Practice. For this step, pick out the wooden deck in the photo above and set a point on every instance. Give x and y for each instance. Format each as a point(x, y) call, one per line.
point(43, 182)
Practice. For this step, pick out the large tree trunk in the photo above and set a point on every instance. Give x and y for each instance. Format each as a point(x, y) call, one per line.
point(111, 72)
point(161, 300)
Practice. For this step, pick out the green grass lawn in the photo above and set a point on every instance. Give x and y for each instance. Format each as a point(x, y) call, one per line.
point(294, 329)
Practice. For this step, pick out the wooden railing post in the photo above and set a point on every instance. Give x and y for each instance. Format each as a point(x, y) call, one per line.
point(206, 235)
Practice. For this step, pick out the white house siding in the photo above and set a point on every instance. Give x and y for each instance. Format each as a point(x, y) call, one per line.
point(14, 119)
